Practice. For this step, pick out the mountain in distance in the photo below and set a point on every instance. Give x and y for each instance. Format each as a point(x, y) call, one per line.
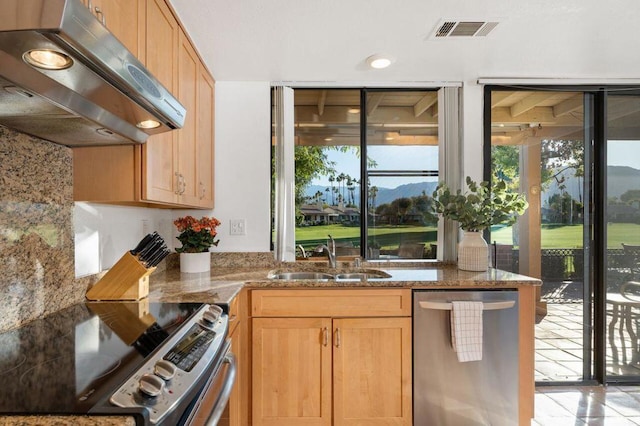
point(620, 179)
point(384, 195)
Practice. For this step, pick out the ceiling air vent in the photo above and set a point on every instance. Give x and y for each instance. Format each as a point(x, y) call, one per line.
point(463, 29)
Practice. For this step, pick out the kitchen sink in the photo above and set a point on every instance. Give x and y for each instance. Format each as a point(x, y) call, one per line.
point(325, 276)
point(301, 276)
point(361, 275)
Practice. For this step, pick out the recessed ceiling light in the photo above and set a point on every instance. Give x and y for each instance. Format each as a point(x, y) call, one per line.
point(353, 110)
point(379, 61)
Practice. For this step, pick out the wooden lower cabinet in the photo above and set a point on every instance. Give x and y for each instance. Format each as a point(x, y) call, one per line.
point(291, 371)
point(331, 371)
point(372, 371)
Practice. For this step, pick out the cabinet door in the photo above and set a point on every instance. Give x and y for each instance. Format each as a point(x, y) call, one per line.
point(372, 371)
point(205, 137)
point(122, 18)
point(187, 93)
point(160, 174)
point(291, 371)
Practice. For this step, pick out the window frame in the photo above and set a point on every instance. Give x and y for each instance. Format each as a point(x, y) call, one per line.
point(449, 166)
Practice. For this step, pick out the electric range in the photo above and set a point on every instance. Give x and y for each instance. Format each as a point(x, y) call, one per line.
point(110, 357)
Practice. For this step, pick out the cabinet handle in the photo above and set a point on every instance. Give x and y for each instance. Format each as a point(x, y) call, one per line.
point(184, 184)
point(325, 336)
point(100, 16)
point(337, 336)
point(202, 190)
point(177, 191)
point(90, 5)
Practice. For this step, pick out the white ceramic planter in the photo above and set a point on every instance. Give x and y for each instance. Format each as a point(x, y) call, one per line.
point(195, 262)
point(473, 252)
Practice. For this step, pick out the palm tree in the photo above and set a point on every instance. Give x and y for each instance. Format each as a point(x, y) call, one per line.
point(332, 179)
point(373, 191)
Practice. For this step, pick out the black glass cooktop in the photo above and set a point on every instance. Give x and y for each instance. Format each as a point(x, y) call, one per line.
point(71, 360)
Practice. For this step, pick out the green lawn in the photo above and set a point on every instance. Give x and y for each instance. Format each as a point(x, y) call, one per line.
point(386, 236)
point(570, 236)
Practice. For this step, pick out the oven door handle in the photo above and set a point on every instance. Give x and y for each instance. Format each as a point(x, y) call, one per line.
point(225, 393)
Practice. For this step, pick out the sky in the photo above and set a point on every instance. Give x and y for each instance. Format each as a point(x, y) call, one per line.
point(624, 153)
point(620, 153)
point(387, 158)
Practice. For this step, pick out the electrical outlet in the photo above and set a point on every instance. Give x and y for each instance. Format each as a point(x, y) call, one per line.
point(236, 227)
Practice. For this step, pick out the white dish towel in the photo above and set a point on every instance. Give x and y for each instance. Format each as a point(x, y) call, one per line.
point(466, 330)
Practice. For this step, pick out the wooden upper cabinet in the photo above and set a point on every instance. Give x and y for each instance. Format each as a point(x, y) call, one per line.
point(160, 177)
point(173, 169)
point(122, 18)
point(187, 93)
point(205, 137)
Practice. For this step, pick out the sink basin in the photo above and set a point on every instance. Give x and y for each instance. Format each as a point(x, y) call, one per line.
point(325, 276)
point(361, 275)
point(301, 276)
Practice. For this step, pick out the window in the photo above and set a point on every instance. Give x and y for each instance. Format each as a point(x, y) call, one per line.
point(366, 164)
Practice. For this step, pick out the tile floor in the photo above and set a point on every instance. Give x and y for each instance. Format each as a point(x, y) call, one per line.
point(559, 358)
point(559, 345)
point(597, 405)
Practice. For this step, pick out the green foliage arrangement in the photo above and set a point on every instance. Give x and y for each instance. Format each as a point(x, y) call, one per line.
point(480, 206)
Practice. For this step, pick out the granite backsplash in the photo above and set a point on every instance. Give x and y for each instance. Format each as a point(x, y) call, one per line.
point(36, 229)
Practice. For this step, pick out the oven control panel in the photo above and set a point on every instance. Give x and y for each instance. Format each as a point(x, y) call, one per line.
point(170, 373)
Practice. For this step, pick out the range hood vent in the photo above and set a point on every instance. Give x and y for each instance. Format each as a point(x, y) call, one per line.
point(101, 95)
point(449, 28)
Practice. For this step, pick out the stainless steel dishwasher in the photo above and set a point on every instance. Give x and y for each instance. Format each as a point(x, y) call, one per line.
point(447, 392)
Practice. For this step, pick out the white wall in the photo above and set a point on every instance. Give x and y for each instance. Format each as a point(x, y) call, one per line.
point(104, 233)
point(242, 165)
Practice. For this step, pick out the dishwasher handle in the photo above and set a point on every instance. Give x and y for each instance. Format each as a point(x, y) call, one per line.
point(486, 306)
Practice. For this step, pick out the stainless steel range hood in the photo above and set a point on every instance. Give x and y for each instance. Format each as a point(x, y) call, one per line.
point(102, 96)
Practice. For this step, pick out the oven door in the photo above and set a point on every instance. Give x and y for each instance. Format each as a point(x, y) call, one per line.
point(212, 401)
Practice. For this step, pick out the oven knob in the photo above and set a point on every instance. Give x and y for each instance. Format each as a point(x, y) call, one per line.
point(151, 385)
point(212, 314)
point(164, 369)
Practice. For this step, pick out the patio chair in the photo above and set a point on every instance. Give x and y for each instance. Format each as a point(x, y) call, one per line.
point(632, 260)
point(625, 313)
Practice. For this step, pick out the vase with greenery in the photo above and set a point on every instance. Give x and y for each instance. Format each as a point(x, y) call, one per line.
point(196, 236)
point(476, 209)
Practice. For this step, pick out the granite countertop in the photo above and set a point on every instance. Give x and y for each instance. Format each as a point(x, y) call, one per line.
point(222, 284)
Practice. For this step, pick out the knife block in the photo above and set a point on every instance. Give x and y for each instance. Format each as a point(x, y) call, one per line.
point(128, 279)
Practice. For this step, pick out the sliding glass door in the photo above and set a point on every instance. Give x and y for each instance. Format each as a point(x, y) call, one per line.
point(575, 152)
point(622, 236)
point(538, 147)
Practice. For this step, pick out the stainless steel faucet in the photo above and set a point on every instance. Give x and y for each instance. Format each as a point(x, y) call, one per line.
point(302, 251)
point(331, 252)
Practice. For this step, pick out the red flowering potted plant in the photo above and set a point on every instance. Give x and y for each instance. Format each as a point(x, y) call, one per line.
point(196, 236)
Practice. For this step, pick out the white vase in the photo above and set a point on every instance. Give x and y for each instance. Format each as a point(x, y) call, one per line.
point(473, 252)
point(195, 262)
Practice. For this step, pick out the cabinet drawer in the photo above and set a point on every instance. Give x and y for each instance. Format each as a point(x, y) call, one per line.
point(331, 303)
